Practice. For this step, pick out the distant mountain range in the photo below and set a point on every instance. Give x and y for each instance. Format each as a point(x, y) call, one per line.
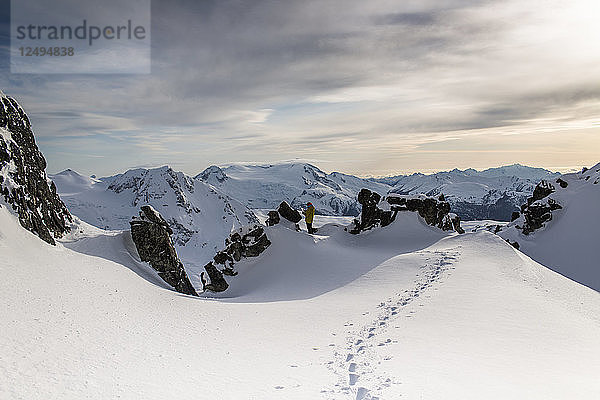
point(474, 195)
point(110, 202)
point(265, 186)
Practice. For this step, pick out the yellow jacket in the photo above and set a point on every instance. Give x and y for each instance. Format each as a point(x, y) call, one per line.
point(309, 214)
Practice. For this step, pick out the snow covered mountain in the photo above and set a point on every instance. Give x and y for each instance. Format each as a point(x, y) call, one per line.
point(490, 194)
point(265, 186)
point(201, 217)
point(560, 226)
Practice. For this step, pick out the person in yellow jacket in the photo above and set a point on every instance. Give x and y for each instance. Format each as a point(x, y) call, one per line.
point(309, 215)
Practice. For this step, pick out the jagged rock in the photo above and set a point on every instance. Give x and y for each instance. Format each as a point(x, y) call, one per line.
point(535, 216)
point(217, 282)
point(514, 244)
point(538, 209)
point(562, 183)
point(289, 213)
point(542, 190)
point(23, 181)
point(436, 212)
point(152, 237)
point(273, 218)
point(371, 215)
point(249, 241)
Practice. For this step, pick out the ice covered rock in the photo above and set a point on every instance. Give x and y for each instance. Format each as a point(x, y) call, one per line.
point(152, 237)
point(23, 182)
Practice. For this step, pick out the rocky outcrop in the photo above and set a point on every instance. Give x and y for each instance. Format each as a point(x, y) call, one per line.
point(273, 218)
point(436, 212)
point(371, 215)
point(23, 182)
point(250, 241)
point(538, 209)
point(289, 213)
point(152, 237)
point(542, 190)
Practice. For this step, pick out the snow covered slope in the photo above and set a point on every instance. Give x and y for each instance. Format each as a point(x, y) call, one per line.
point(399, 312)
point(490, 194)
point(265, 186)
point(568, 243)
point(201, 217)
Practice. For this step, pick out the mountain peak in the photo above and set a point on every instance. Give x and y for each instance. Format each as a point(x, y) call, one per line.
point(212, 174)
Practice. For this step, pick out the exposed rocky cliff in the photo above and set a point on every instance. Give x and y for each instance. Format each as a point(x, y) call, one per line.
point(23, 182)
point(152, 237)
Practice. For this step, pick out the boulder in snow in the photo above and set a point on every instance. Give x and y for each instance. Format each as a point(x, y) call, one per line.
point(289, 213)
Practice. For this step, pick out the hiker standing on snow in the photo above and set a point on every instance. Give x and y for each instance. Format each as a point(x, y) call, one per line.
point(309, 214)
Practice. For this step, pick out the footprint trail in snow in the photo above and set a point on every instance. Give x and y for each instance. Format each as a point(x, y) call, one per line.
point(358, 367)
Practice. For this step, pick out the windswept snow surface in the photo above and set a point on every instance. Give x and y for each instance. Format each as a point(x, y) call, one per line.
point(569, 243)
point(404, 311)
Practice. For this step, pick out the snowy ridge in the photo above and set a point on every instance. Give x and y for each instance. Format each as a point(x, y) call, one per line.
point(265, 186)
point(568, 242)
point(201, 217)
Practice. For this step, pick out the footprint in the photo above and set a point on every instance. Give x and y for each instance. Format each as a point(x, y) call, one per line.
point(349, 357)
point(370, 335)
point(352, 367)
point(359, 341)
point(352, 378)
point(362, 393)
point(361, 349)
point(279, 387)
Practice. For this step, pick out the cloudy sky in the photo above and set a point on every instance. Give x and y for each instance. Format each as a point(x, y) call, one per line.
point(363, 87)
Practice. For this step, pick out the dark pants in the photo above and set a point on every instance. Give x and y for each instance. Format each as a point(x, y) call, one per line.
point(309, 227)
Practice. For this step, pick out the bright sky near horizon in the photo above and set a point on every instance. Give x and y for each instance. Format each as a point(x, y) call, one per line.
point(364, 87)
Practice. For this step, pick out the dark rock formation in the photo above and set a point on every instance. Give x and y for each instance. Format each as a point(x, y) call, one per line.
point(436, 212)
point(563, 184)
point(273, 218)
point(23, 181)
point(539, 207)
point(371, 215)
point(152, 237)
point(247, 242)
point(515, 215)
point(289, 213)
point(217, 281)
point(514, 244)
point(542, 190)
